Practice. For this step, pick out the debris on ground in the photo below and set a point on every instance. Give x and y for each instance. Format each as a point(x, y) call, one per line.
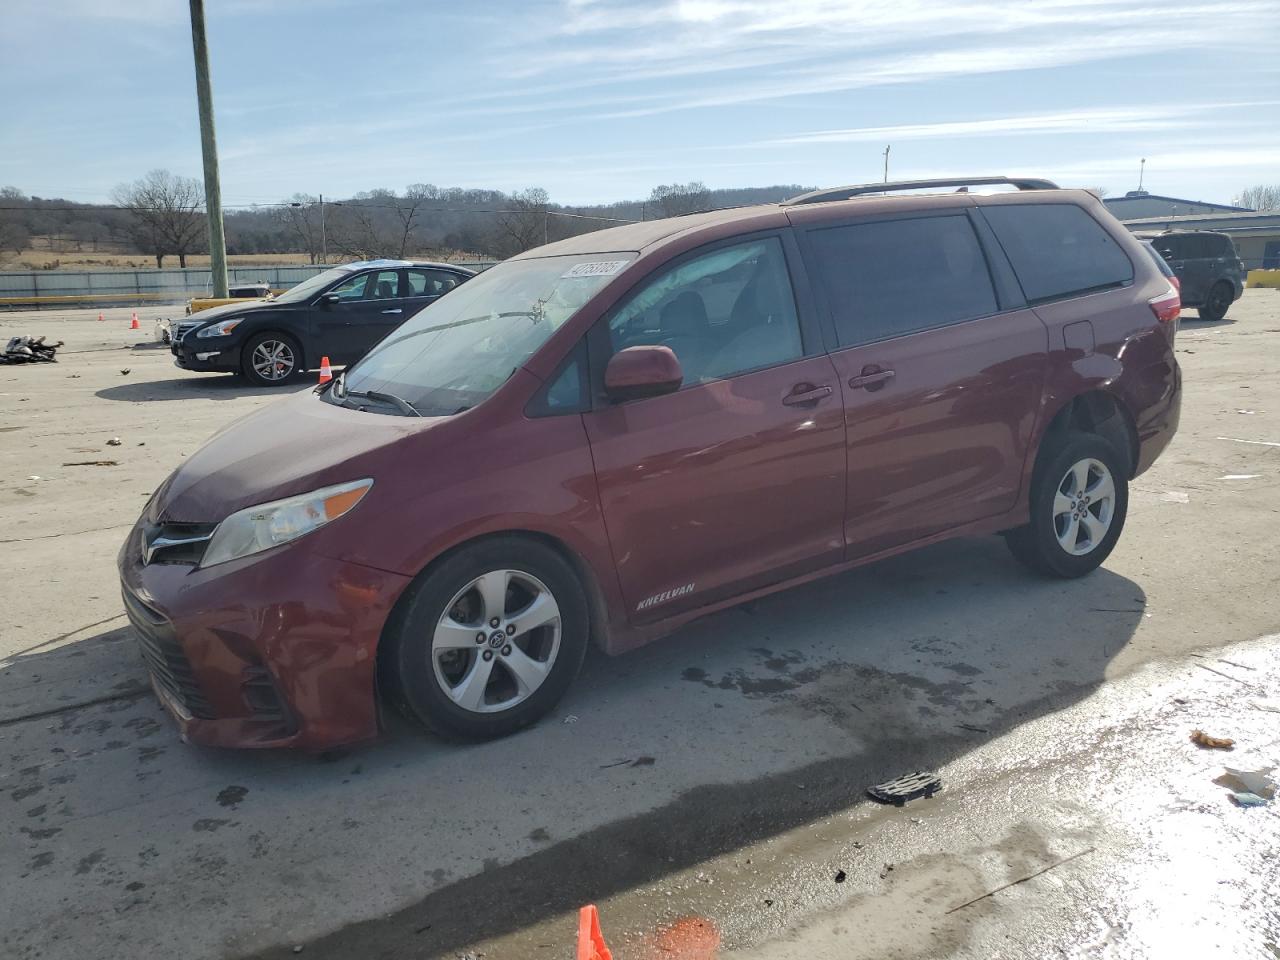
point(125, 371)
point(29, 350)
point(93, 463)
point(1202, 739)
point(906, 788)
point(570, 719)
point(1248, 788)
point(114, 442)
point(840, 876)
point(887, 869)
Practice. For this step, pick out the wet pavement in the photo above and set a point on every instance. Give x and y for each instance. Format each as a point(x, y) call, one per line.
point(714, 779)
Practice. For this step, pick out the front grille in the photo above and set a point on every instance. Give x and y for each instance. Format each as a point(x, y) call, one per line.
point(170, 542)
point(185, 327)
point(165, 658)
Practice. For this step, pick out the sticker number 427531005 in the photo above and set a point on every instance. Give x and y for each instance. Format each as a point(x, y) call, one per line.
point(596, 268)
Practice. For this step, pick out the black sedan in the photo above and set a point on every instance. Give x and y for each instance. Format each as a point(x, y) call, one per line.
point(339, 314)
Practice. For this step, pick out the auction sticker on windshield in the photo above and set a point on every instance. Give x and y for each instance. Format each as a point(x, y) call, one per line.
point(599, 268)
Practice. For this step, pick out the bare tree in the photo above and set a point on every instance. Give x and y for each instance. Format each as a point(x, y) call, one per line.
point(301, 216)
point(407, 210)
point(1260, 197)
point(168, 214)
point(356, 230)
point(524, 223)
point(677, 199)
point(14, 235)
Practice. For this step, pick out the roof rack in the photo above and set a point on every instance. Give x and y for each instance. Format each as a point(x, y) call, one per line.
point(858, 190)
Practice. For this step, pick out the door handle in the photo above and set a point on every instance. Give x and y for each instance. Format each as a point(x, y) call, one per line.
point(871, 379)
point(397, 310)
point(805, 393)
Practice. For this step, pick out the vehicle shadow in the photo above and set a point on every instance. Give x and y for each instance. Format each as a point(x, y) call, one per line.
point(655, 762)
point(208, 386)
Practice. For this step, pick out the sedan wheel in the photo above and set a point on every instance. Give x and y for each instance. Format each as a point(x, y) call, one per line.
point(273, 360)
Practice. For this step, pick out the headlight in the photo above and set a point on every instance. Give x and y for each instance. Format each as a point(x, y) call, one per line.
point(268, 525)
point(221, 328)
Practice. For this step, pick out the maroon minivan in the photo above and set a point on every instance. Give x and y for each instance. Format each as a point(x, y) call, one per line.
point(604, 438)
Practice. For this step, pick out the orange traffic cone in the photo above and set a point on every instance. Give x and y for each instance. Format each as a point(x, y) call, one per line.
point(326, 371)
point(99, 316)
point(591, 945)
point(133, 324)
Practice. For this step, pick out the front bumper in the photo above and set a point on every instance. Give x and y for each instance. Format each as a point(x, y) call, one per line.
point(206, 355)
point(275, 650)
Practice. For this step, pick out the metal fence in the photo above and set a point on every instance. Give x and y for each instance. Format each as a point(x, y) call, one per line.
point(152, 285)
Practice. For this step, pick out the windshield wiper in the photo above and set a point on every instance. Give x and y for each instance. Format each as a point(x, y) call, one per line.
point(404, 406)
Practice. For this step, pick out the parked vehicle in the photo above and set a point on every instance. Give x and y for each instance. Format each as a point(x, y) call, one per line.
point(602, 439)
point(1163, 266)
point(1208, 268)
point(252, 291)
point(340, 313)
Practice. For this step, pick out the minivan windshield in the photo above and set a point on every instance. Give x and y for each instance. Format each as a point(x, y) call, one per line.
point(455, 352)
point(311, 286)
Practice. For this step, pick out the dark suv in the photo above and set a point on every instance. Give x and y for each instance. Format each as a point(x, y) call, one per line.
point(1207, 265)
point(602, 439)
point(339, 314)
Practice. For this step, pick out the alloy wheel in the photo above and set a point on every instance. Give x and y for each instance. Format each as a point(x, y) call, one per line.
point(273, 360)
point(497, 641)
point(1083, 506)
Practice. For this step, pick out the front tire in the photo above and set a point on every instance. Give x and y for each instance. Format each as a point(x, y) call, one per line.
point(270, 359)
point(1217, 303)
point(1079, 500)
point(489, 640)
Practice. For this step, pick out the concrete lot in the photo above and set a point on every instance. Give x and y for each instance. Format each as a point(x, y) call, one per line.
point(716, 775)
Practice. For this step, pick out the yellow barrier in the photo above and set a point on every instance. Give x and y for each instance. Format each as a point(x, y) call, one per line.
point(73, 298)
point(1263, 278)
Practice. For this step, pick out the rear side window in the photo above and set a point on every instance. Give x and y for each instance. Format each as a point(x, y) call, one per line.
point(1219, 246)
point(430, 283)
point(1058, 250)
point(896, 277)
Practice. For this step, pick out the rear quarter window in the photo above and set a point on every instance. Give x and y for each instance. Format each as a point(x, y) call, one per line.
point(1058, 250)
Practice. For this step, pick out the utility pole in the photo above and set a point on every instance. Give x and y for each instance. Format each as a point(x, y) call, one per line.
point(324, 245)
point(1142, 168)
point(209, 147)
point(886, 161)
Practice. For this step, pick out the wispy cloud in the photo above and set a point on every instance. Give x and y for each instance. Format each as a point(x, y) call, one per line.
point(1098, 120)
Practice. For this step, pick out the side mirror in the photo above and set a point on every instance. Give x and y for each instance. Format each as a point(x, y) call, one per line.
point(638, 372)
point(329, 299)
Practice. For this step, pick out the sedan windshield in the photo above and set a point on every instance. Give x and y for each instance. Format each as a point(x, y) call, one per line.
point(460, 349)
point(311, 286)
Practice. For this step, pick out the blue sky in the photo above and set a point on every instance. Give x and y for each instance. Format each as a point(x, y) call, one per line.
point(599, 100)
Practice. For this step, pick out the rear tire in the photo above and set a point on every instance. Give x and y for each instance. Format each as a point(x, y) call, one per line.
point(1217, 303)
point(1079, 500)
point(489, 640)
point(270, 359)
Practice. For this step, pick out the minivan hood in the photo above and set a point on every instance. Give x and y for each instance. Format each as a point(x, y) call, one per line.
point(290, 446)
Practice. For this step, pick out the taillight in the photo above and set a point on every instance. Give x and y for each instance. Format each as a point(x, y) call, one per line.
point(1167, 307)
